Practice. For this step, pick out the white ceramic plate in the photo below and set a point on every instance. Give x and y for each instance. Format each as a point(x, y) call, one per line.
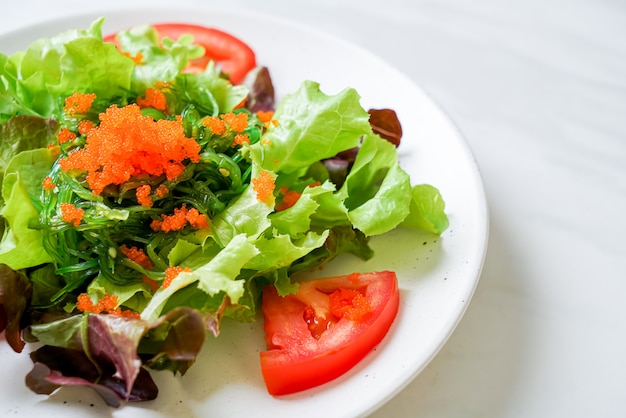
point(437, 275)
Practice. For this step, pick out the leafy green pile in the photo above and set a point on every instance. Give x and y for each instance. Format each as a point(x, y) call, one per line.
point(46, 263)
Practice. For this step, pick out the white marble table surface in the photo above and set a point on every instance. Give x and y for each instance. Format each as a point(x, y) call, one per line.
point(538, 88)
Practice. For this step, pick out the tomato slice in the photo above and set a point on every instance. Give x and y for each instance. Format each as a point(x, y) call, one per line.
point(233, 56)
point(325, 329)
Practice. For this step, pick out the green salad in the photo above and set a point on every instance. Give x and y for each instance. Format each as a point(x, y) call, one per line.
point(141, 203)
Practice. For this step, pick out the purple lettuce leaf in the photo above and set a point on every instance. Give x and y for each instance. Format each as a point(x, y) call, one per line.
point(261, 96)
point(385, 123)
point(56, 367)
point(114, 340)
point(15, 292)
point(177, 339)
point(111, 354)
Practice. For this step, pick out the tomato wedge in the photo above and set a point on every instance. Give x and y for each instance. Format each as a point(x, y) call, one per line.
point(233, 56)
point(325, 329)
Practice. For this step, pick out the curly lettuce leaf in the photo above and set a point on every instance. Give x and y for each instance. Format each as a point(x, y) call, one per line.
point(427, 210)
point(244, 215)
point(158, 62)
point(21, 246)
point(165, 59)
point(377, 190)
point(53, 68)
point(23, 133)
point(208, 91)
point(219, 275)
point(281, 250)
point(22, 243)
point(35, 81)
point(311, 126)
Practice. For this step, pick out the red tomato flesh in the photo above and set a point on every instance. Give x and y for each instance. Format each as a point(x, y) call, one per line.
point(233, 56)
point(325, 329)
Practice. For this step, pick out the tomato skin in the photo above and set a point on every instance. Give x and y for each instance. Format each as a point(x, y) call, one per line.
point(295, 360)
point(234, 56)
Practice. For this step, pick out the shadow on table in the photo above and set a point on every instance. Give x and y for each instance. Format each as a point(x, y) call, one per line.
point(477, 369)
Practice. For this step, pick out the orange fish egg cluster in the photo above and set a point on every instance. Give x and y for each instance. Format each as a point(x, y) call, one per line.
point(215, 124)
point(85, 126)
point(290, 197)
point(265, 115)
point(137, 59)
point(138, 256)
point(264, 186)
point(143, 195)
point(78, 103)
point(171, 273)
point(71, 214)
point(108, 304)
point(154, 98)
point(65, 135)
point(179, 219)
point(240, 139)
point(238, 122)
point(48, 184)
point(349, 303)
point(162, 190)
point(128, 144)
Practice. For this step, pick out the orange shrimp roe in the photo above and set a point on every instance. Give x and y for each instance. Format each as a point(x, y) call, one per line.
point(171, 273)
point(290, 197)
point(48, 184)
point(138, 256)
point(162, 190)
point(196, 219)
point(264, 186)
point(215, 124)
point(179, 219)
point(108, 304)
point(238, 122)
point(65, 135)
point(128, 144)
point(137, 59)
point(240, 139)
point(71, 214)
point(85, 126)
point(78, 103)
point(143, 195)
point(265, 116)
point(349, 304)
point(154, 98)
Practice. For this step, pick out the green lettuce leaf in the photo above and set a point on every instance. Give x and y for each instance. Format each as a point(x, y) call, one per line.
point(245, 215)
point(23, 133)
point(312, 126)
point(207, 91)
point(280, 251)
point(427, 210)
point(218, 275)
point(74, 61)
point(21, 246)
point(158, 62)
point(376, 191)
